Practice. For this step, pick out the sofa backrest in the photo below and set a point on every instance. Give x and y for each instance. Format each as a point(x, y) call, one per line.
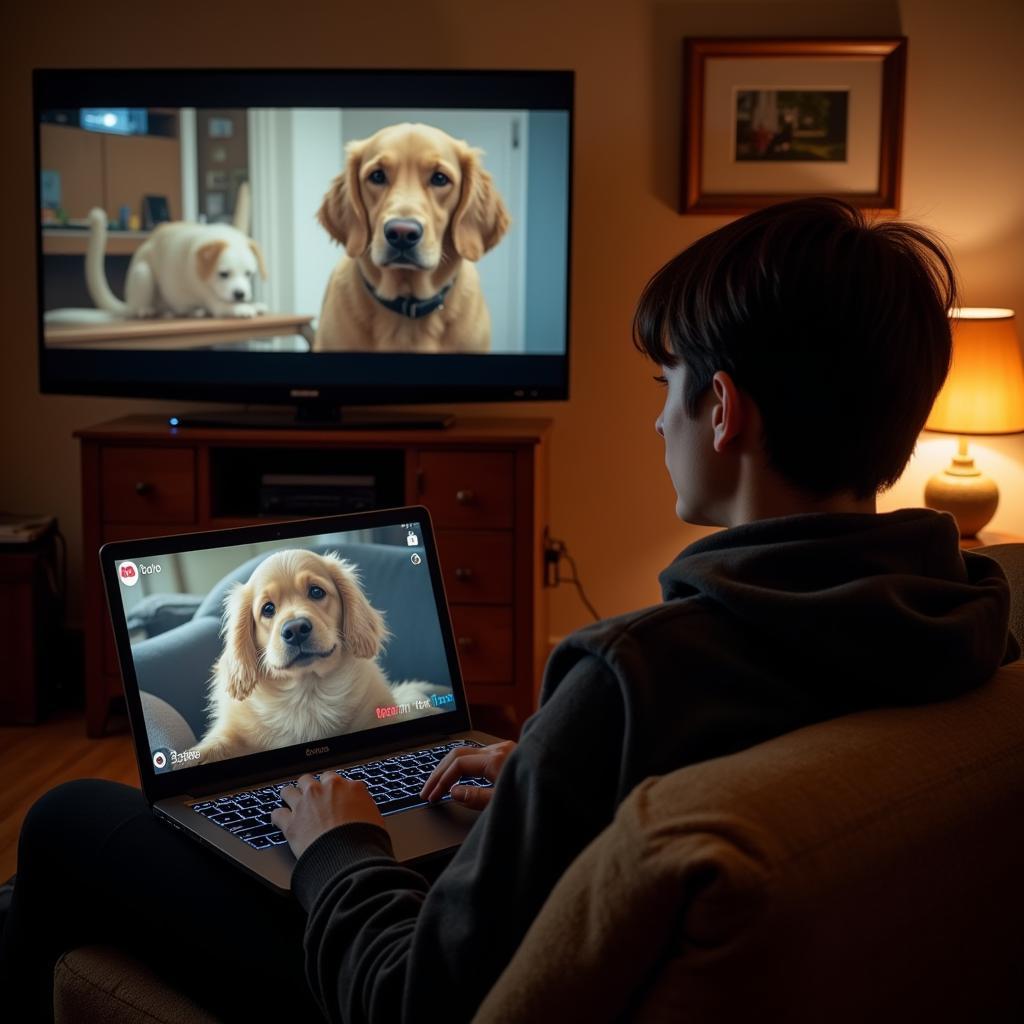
point(865, 867)
point(868, 866)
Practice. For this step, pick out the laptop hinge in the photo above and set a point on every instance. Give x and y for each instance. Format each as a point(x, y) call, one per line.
point(367, 754)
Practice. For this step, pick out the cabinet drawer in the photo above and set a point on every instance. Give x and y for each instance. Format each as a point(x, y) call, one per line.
point(148, 485)
point(483, 638)
point(476, 566)
point(469, 489)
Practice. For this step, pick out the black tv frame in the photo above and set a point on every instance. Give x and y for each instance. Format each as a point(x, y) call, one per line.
point(316, 396)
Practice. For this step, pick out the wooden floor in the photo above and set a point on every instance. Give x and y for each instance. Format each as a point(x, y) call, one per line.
point(35, 758)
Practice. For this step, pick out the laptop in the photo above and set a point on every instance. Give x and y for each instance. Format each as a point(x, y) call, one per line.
point(328, 610)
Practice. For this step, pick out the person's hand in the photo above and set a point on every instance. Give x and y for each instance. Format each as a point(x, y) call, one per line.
point(485, 761)
point(313, 808)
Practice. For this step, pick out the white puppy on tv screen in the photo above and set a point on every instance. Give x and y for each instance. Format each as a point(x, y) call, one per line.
point(182, 269)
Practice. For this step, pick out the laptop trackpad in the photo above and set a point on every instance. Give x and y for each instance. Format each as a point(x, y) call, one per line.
point(422, 831)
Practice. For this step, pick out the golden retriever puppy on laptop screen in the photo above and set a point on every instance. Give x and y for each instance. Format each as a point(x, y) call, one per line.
point(182, 269)
point(299, 661)
point(414, 209)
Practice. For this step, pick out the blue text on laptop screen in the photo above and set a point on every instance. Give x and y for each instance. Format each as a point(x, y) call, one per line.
point(260, 646)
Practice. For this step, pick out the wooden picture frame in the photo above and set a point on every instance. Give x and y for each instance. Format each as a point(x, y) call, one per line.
point(765, 120)
point(154, 211)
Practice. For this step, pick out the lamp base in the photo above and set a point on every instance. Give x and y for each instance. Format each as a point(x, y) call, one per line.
point(966, 492)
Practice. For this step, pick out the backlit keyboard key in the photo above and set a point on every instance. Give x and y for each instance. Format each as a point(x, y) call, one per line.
point(393, 782)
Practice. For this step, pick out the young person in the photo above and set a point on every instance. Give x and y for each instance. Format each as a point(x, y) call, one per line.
point(801, 350)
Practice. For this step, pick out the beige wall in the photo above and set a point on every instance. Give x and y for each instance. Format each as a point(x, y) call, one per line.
point(963, 174)
point(610, 499)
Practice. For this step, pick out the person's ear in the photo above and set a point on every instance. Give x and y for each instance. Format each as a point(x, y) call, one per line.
point(728, 410)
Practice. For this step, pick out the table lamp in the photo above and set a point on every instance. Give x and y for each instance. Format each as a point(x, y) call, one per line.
point(983, 394)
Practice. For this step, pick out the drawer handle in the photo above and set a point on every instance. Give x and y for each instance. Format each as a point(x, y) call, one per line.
point(466, 497)
point(463, 575)
point(141, 487)
point(465, 643)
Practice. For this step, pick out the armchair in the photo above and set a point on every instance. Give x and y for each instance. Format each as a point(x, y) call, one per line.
point(857, 869)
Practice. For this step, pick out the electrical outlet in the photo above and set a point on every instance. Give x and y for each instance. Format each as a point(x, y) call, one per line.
point(553, 551)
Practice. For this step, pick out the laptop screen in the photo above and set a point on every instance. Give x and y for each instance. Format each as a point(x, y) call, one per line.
point(269, 644)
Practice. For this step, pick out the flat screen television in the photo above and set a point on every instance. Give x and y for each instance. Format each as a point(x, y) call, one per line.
point(311, 238)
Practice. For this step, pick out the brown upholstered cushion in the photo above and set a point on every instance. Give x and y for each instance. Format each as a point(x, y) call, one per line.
point(98, 983)
point(868, 868)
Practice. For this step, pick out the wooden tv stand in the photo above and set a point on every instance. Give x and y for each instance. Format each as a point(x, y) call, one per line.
point(484, 482)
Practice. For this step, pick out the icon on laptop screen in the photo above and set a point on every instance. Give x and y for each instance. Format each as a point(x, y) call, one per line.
point(128, 573)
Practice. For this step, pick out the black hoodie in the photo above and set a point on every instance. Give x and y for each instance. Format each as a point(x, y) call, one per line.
point(764, 628)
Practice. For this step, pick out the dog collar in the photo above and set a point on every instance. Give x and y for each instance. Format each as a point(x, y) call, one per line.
point(410, 307)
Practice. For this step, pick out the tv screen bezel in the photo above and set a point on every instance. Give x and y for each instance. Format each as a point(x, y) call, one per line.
point(216, 376)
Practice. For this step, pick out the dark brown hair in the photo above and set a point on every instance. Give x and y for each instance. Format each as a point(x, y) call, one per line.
point(837, 328)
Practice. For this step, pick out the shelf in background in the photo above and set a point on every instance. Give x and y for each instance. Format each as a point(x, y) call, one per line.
point(73, 241)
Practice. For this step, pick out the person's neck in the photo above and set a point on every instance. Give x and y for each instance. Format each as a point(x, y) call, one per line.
point(772, 502)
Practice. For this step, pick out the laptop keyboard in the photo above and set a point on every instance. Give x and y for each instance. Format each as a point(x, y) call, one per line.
point(394, 783)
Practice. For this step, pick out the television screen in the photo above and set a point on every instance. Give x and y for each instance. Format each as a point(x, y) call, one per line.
point(345, 237)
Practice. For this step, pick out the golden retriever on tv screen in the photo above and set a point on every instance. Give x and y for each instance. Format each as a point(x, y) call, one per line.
point(414, 209)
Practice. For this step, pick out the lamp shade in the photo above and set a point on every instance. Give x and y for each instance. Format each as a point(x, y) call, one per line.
point(984, 392)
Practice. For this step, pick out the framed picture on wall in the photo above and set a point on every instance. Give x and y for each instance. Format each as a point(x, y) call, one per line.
point(771, 119)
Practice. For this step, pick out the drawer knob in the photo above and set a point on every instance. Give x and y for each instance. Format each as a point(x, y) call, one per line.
point(463, 575)
point(141, 487)
point(465, 643)
point(466, 497)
